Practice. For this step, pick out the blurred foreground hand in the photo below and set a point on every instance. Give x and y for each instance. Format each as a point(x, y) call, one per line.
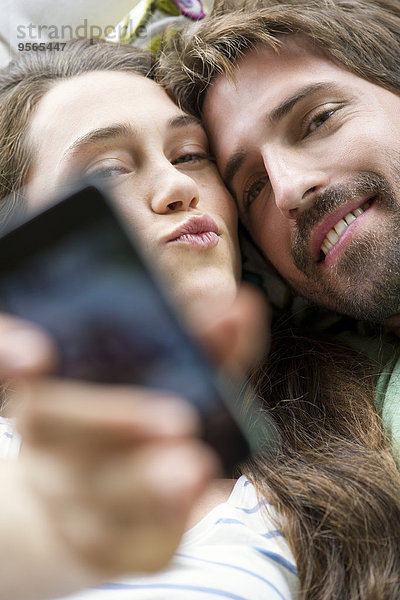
point(107, 475)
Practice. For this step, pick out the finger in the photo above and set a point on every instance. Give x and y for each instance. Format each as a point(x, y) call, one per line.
point(127, 511)
point(70, 412)
point(241, 337)
point(172, 478)
point(25, 349)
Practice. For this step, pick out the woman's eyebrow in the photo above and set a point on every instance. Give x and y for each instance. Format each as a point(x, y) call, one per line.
point(184, 121)
point(122, 130)
point(101, 134)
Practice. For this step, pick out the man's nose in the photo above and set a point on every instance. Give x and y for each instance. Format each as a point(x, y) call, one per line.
point(173, 191)
point(295, 181)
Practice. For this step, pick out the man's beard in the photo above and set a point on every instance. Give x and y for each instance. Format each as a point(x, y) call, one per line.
point(364, 282)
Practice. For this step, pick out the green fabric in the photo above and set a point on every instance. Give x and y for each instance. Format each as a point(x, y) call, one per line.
point(168, 7)
point(384, 352)
point(388, 401)
point(149, 21)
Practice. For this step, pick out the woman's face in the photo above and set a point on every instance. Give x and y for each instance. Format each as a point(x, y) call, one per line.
point(124, 128)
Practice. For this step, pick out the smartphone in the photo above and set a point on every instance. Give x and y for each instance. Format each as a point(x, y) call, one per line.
point(75, 270)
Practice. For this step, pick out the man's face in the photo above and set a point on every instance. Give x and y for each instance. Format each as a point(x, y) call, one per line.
point(311, 152)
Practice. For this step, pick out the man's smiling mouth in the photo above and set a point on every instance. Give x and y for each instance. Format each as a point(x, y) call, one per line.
point(334, 234)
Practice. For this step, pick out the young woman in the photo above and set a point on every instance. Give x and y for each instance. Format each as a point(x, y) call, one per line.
point(90, 111)
point(334, 482)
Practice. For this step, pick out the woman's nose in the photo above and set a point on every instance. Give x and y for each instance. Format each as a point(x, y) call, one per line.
point(173, 191)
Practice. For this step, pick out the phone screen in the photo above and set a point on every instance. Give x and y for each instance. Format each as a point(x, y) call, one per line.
point(75, 271)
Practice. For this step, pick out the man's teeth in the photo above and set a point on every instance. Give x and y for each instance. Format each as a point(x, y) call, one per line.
point(334, 234)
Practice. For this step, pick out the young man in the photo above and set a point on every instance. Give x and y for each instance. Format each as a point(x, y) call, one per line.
point(302, 106)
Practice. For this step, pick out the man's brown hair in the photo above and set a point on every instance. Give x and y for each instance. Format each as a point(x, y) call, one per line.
point(361, 35)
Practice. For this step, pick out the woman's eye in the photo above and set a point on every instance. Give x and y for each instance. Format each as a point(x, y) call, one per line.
point(193, 158)
point(253, 191)
point(108, 172)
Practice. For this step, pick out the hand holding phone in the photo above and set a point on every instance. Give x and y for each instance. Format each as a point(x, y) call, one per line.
point(75, 271)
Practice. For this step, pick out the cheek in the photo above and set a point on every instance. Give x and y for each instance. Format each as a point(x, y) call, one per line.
point(229, 212)
point(272, 233)
point(136, 216)
point(376, 148)
point(40, 195)
point(361, 147)
point(215, 199)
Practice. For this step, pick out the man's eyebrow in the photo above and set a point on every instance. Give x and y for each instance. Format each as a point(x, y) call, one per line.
point(289, 103)
point(233, 165)
point(99, 135)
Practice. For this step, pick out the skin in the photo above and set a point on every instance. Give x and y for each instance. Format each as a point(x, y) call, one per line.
point(159, 170)
point(74, 517)
point(80, 519)
point(331, 147)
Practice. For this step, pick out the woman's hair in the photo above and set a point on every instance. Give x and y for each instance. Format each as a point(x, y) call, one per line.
point(361, 35)
point(25, 81)
point(333, 480)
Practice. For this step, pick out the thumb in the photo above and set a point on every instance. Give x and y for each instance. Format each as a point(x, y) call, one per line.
point(241, 337)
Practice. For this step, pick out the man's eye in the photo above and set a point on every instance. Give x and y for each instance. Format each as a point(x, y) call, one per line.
point(253, 191)
point(193, 158)
point(318, 120)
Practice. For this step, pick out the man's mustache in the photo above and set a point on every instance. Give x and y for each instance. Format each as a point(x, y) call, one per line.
point(365, 185)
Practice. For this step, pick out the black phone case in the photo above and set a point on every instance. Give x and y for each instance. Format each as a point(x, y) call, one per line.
point(74, 270)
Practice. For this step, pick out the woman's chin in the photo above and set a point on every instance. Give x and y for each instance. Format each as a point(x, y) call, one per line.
point(202, 299)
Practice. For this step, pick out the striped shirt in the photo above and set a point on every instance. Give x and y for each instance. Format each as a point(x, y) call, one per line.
point(235, 552)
